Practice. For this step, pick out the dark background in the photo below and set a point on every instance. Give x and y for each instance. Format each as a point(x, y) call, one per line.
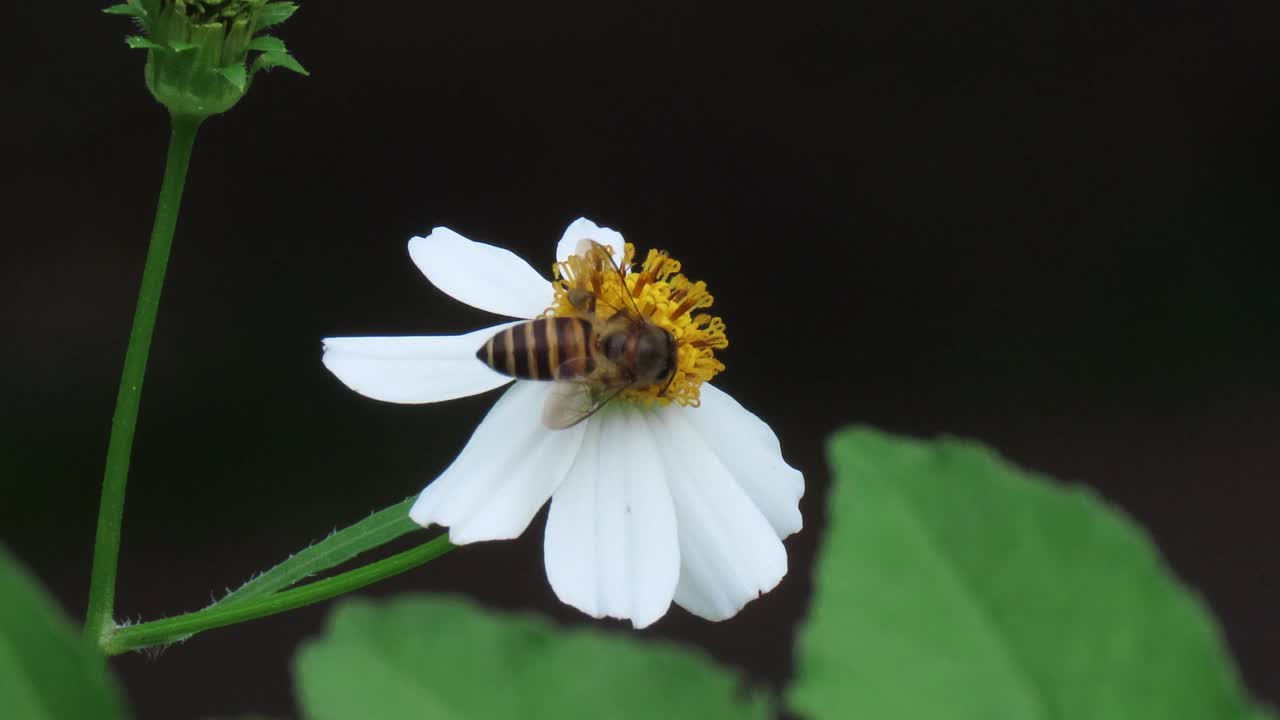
point(1050, 227)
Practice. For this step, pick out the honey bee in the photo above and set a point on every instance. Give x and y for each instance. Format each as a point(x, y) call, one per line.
point(590, 359)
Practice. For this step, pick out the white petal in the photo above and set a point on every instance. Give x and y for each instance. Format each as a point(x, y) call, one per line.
point(483, 276)
point(506, 472)
point(583, 229)
point(750, 451)
point(611, 546)
point(729, 554)
point(413, 369)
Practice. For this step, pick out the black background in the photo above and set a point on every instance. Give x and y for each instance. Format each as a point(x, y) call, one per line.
point(1050, 227)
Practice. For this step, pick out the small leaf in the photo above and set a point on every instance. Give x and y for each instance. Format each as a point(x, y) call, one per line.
point(268, 44)
point(374, 531)
point(284, 60)
point(275, 13)
point(234, 74)
point(432, 657)
point(130, 8)
point(953, 585)
point(182, 46)
point(138, 42)
point(46, 670)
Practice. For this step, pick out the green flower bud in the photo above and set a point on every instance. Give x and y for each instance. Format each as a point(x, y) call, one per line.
point(198, 51)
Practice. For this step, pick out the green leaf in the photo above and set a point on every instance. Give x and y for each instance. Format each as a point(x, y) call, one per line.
point(275, 13)
point(131, 8)
point(138, 42)
point(46, 670)
point(374, 531)
point(266, 43)
point(234, 74)
point(1262, 713)
point(181, 46)
point(954, 585)
point(284, 60)
point(432, 657)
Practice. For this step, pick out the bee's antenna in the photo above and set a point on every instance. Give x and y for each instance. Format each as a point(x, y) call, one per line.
point(607, 251)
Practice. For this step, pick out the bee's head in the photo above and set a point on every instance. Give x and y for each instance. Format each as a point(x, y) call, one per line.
point(655, 356)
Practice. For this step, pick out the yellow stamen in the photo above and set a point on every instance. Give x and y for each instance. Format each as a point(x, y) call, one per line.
point(665, 298)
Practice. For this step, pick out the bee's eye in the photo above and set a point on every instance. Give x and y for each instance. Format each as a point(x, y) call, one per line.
point(614, 345)
point(651, 351)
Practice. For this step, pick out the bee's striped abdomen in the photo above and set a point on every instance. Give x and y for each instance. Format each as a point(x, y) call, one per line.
point(544, 349)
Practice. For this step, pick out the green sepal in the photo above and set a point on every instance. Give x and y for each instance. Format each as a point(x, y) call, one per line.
point(137, 42)
point(234, 74)
point(267, 44)
point(182, 46)
point(131, 8)
point(281, 59)
point(275, 13)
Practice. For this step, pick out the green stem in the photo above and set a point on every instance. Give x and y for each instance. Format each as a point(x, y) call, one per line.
point(160, 632)
point(106, 550)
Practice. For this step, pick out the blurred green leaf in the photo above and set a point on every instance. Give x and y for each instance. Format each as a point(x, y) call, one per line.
point(953, 585)
point(182, 46)
point(432, 657)
point(46, 670)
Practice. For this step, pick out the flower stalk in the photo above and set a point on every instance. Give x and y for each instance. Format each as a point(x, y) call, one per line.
point(198, 64)
point(106, 551)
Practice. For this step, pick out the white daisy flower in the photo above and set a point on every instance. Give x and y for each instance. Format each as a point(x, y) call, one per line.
point(671, 491)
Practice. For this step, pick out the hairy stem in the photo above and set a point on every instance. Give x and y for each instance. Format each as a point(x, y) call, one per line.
point(161, 632)
point(374, 531)
point(106, 550)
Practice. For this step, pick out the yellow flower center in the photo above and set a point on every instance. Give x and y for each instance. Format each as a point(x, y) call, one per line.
point(663, 297)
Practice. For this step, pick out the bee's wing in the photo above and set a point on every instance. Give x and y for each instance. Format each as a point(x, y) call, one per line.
point(572, 402)
point(599, 255)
